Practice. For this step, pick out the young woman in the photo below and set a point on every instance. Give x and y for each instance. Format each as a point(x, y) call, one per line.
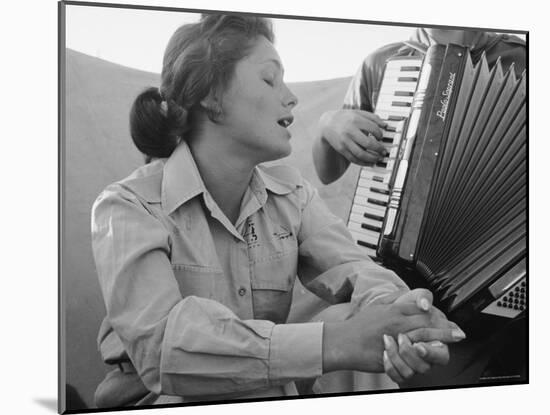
point(198, 250)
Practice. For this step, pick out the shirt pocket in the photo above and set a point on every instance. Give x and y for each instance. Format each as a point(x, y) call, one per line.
point(197, 280)
point(272, 281)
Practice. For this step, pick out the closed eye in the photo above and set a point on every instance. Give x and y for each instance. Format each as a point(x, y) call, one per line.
point(269, 82)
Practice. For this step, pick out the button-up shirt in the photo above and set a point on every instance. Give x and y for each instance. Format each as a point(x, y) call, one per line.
point(199, 304)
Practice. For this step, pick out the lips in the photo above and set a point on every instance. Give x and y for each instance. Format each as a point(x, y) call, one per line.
point(285, 121)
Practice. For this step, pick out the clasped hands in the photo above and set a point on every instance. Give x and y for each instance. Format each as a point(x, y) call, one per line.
point(401, 334)
point(416, 351)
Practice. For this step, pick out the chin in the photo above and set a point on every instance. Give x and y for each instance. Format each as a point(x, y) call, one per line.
point(285, 150)
point(279, 152)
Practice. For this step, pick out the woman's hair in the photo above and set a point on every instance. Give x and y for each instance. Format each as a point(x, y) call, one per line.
point(199, 60)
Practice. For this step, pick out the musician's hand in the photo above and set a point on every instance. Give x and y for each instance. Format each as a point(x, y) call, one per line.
point(354, 134)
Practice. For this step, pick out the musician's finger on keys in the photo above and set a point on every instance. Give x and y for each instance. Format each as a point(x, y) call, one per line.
point(368, 127)
point(372, 117)
point(371, 144)
point(359, 155)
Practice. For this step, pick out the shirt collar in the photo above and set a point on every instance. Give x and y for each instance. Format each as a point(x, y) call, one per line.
point(182, 181)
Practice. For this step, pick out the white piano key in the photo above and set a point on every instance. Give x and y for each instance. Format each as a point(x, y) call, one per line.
point(370, 184)
point(370, 174)
point(398, 85)
point(382, 98)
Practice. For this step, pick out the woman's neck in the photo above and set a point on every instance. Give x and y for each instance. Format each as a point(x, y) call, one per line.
point(224, 173)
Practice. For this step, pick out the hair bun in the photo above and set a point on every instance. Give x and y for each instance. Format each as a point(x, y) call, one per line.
point(156, 133)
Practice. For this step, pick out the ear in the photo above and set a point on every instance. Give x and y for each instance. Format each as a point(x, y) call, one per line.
point(212, 104)
point(210, 101)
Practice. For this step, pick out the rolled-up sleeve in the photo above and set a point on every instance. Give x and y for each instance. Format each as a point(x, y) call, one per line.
point(185, 345)
point(331, 264)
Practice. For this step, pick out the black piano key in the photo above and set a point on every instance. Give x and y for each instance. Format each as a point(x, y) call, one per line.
point(404, 94)
point(378, 179)
point(407, 79)
point(373, 216)
point(400, 104)
point(410, 69)
point(387, 140)
point(371, 227)
point(381, 164)
point(377, 202)
point(367, 244)
point(390, 129)
point(380, 191)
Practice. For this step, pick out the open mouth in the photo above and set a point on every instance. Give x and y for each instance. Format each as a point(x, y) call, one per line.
point(285, 121)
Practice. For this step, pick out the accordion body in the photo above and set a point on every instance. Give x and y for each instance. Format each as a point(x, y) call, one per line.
point(448, 207)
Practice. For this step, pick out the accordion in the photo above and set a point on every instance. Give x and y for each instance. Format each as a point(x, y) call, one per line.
point(448, 207)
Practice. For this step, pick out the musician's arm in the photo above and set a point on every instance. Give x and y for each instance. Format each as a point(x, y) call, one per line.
point(333, 147)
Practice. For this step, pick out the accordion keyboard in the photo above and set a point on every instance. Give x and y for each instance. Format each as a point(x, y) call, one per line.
point(372, 192)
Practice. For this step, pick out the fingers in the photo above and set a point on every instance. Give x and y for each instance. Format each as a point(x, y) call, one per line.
point(398, 369)
point(390, 369)
point(436, 353)
point(355, 135)
point(428, 334)
point(410, 309)
point(359, 155)
point(422, 297)
point(413, 356)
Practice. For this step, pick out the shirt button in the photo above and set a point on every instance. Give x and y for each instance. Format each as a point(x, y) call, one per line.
point(242, 291)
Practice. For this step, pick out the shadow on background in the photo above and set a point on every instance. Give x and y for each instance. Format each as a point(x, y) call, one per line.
point(47, 403)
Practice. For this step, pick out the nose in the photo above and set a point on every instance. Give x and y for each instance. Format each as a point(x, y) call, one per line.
point(290, 100)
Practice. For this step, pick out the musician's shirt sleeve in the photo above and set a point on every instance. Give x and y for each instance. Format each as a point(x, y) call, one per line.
point(365, 85)
point(188, 345)
point(332, 265)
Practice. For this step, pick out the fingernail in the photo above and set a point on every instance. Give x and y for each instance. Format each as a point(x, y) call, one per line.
point(400, 339)
point(458, 334)
point(385, 356)
point(421, 349)
point(424, 304)
point(436, 343)
point(387, 343)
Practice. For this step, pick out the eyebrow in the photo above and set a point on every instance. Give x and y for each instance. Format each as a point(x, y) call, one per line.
point(277, 63)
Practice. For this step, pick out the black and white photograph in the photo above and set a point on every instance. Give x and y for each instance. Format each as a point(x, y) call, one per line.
point(249, 233)
point(256, 207)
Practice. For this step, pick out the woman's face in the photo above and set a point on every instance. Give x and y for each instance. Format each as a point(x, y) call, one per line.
point(257, 105)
